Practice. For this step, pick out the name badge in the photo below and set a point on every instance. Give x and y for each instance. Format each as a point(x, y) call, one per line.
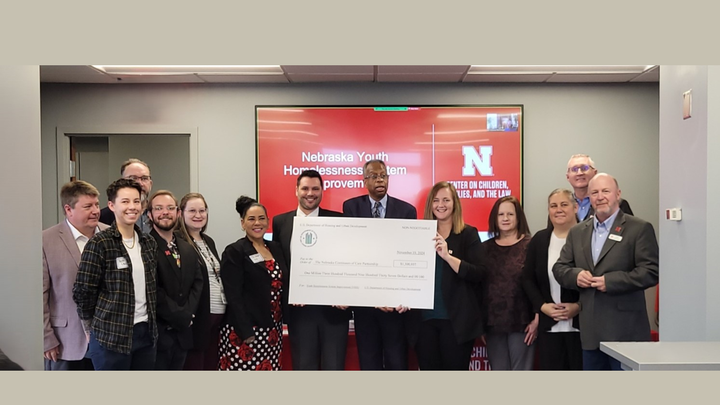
point(616, 238)
point(257, 258)
point(121, 263)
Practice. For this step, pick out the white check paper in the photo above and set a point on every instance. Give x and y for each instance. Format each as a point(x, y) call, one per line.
point(364, 262)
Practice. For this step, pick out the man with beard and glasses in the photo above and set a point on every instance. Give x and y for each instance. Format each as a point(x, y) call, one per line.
point(179, 283)
point(138, 171)
point(318, 333)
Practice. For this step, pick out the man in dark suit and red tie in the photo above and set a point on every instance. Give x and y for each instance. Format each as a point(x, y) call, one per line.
point(611, 259)
point(380, 332)
point(318, 333)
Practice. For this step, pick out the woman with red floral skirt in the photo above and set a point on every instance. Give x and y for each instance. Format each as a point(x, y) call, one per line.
point(252, 271)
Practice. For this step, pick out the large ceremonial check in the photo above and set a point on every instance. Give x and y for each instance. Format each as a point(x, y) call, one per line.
point(363, 262)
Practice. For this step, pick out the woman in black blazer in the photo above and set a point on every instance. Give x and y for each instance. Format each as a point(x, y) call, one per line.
point(559, 338)
point(211, 308)
point(445, 334)
point(252, 272)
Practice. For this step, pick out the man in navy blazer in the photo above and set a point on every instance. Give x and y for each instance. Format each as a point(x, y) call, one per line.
point(65, 342)
point(380, 332)
point(610, 259)
point(318, 333)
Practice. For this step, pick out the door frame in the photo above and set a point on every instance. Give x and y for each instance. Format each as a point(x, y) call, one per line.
point(62, 146)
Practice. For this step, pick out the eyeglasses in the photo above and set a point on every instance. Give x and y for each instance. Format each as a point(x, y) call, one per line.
point(161, 209)
point(144, 179)
point(193, 212)
point(374, 177)
point(581, 168)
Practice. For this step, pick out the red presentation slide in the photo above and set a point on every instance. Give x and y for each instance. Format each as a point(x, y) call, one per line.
point(477, 148)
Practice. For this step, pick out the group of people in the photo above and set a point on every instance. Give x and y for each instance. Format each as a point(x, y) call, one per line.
point(148, 290)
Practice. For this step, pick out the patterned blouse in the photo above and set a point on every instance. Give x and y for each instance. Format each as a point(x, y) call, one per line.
point(507, 307)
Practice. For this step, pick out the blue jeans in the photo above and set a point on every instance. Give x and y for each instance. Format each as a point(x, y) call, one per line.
point(141, 357)
point(597, 360)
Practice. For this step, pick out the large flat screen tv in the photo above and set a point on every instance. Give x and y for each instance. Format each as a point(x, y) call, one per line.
point(478, 148)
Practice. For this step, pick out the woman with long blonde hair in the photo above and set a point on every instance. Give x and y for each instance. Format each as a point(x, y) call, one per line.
point(209, 316)
point(445, 334)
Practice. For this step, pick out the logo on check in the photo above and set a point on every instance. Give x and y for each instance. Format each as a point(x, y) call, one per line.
point(308, 238)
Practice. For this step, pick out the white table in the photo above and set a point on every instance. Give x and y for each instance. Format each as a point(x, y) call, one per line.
point(664, 355)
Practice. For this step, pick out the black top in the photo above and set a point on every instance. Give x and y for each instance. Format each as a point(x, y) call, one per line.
point(536, 282)
point(178, 288)
point(247, 286)
point(460, 290)
point(201, 323)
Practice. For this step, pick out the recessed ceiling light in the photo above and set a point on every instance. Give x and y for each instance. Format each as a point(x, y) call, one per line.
point(190, 69)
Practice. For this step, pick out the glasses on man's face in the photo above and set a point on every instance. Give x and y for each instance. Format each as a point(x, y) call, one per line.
point(374, 177)
point(581, 168)
point(144, 179)
point(193, 212)
point(159, 208)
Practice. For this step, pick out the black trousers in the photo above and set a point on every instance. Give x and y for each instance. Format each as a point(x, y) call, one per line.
point(170, 354)
point(315, 342)
point(438, 349)
point(381, 339)
point(559, 351)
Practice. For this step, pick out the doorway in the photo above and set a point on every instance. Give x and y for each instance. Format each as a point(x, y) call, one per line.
point(97, 157)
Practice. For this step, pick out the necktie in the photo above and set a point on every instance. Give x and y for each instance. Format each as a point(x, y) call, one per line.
point(376, 210)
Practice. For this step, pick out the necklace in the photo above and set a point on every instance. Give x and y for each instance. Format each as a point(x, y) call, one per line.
point(133, 242)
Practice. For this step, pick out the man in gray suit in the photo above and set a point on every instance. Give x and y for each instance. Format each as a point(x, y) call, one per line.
point(65, 342)
point(611, 259)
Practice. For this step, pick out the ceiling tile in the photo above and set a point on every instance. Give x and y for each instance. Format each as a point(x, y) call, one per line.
point(419, 69)
point(327, 69)
point(421, 78)
point(335, 77)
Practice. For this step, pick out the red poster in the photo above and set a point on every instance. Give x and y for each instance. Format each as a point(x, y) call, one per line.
point(477, 148)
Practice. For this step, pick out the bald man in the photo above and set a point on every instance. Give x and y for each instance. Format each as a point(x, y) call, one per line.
point(611, 259)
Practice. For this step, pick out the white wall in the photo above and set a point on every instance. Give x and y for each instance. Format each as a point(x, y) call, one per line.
point(689, 254)
point(616, 123)
point(21, 270)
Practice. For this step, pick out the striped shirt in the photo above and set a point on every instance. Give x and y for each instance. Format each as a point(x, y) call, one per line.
point(104, 290)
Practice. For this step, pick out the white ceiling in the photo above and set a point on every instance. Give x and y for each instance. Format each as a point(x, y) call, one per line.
point(368, 73)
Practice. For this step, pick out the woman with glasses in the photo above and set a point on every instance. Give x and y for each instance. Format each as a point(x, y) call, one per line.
point(253, 271)
point(445, 334)
point(557, 307)
point(511, 325)
point(211, 308)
